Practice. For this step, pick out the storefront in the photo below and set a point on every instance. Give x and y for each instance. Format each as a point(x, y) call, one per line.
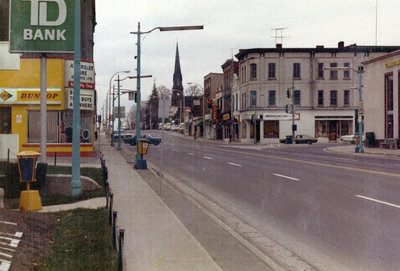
point(20, 106)
point(269, 127)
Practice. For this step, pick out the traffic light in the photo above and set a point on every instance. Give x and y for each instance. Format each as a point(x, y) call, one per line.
point(288, 93)
point(209, 102)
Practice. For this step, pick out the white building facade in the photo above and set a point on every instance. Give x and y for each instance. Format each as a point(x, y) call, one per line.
point(320, 83)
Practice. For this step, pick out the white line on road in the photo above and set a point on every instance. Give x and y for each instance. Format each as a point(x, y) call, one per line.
point(234, 164)
point(191, 153)
point(378, 201)
point(8, 223)
point(206, 157)
point(286, 177)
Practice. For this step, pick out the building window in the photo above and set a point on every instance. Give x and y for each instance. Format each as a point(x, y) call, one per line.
point(271, 128)
point(333, 98)
point(320, 98)
point(346, 98)
point(346, 72)
point(320, 70)
point(253, 98)
point(272, 98)
point(389, 106)
point(297, 97)
point(333, 72)
point(271, 71)
point(296, 70)
point(253, 71)
point(5, 120)
point(52, 127)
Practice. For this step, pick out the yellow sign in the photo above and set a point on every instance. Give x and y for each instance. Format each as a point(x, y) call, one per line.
point(392, 63)
point(28, 96)
point(226, 116)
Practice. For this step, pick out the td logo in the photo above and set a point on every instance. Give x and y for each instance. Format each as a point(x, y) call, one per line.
point(39, 12)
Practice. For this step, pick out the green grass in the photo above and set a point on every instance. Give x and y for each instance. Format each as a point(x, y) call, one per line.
point(94, 173)
point(82, 241)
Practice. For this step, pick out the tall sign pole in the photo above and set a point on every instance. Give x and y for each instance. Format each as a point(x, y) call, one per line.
point(43, 108)
point(76, 127)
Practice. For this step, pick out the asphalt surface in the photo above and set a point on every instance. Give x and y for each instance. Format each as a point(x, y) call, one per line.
point(336, 211)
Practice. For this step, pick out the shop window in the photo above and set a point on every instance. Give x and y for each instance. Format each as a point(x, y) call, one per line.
point(271, 129)
point(5, 120)
point(321, 128)
point(52, 127)
point(86, 127)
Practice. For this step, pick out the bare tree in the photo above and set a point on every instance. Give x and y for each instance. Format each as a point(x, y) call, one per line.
point(131, 117)
point(193, 91)
point(163, 91)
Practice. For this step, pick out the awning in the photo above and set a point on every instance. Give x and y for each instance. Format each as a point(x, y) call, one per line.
point(199, 123)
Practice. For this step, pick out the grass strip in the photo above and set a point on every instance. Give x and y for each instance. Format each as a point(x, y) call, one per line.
point(82, 241)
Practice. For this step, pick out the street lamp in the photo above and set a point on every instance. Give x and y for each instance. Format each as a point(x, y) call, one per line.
point(204, 109)
point(109, 105)
point(360, 71)
point(139, 157)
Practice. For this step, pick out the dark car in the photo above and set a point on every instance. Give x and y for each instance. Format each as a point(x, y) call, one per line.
point(147, 137)
point(299, 139)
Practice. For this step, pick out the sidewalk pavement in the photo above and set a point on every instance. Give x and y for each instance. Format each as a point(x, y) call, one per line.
point(349, 149)
point(155, 239)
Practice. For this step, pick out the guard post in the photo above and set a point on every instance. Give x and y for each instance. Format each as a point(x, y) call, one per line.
point(29, 199)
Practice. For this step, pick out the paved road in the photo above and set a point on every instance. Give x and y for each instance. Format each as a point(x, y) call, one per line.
point(336, 212)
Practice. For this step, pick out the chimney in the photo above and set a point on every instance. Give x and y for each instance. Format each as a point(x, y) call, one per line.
point(341, 44)
point(279, 45)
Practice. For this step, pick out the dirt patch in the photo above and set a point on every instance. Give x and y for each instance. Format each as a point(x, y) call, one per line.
point(24, 251)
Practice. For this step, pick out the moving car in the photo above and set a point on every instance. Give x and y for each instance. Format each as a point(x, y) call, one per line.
point(302, 139)
point(147, 137)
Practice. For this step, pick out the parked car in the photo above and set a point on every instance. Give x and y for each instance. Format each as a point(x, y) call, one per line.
point(302, 139)
point(350, 138)
point(147, 137)
point(124, 135)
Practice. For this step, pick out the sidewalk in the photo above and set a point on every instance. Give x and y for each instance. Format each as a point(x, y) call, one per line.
point(154, 237)
point(370, 152)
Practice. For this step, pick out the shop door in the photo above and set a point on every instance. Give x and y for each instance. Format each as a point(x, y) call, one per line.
point(333, 128)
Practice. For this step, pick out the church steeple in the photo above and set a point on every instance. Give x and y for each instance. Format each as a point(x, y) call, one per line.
point(177, 88)
point(177, 85)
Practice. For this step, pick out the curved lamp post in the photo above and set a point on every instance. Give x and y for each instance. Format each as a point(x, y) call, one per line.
point(140, 164)
point(109, 105)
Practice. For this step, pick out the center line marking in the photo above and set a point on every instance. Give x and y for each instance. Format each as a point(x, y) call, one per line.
point(191, 153)
point(206, 157)
point(286, 177)
point(234, 164)
point(378, 201)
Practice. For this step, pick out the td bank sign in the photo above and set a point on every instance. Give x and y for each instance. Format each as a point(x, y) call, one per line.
point(43, 26)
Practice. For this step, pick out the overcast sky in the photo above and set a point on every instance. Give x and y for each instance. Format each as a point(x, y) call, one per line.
point(228, 27)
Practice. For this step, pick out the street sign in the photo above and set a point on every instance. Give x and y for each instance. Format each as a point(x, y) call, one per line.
point(43, 26)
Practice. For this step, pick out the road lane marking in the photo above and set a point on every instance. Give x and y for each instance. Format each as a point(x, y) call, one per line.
point(286, 177)
point(8, 223)
point(206, 157)
point(191, 153)
point(234, 164)
point(378, 201)
point(396, 175)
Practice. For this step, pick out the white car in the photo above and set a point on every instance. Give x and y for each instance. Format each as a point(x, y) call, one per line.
point(350, 138)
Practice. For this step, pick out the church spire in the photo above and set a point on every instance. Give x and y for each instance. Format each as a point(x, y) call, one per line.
point(177, 85)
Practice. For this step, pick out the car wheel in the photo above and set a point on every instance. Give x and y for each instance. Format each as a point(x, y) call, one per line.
point(309, 142)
